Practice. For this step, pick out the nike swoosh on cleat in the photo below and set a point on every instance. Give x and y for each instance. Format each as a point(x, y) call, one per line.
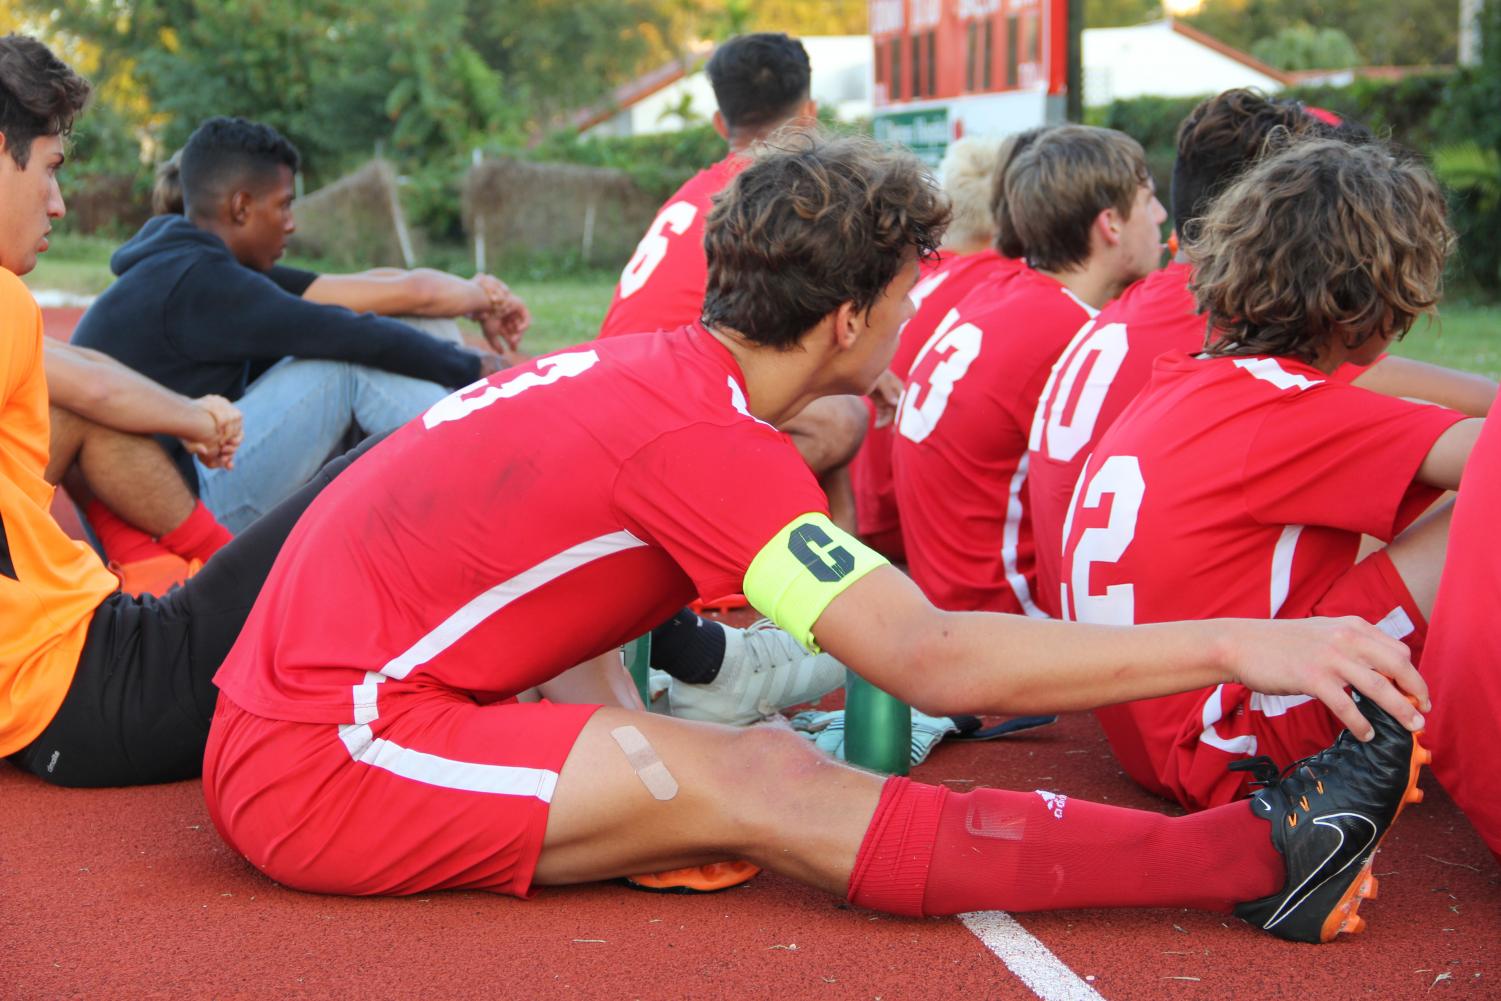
point(1323, 872)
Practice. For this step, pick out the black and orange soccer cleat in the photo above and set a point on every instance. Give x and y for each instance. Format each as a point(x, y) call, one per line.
point(1328, 815)
point(709, 878)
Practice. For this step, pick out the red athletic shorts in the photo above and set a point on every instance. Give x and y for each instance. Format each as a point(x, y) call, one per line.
point(437, 793)
point(1230, 722)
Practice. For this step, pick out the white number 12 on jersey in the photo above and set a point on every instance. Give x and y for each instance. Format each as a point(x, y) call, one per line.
point(1120, 477)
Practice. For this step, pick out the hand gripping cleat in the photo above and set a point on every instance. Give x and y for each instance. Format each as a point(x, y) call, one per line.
point(1328, 814)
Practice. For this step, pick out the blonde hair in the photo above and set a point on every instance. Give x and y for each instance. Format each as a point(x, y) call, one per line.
point(968, 172)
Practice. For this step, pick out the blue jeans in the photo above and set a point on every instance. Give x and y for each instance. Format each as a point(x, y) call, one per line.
point(297, 414)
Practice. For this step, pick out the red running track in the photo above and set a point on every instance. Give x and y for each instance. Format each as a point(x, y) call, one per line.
point(129, 893)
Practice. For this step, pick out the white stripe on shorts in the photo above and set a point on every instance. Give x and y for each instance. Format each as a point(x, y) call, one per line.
point(429, 769)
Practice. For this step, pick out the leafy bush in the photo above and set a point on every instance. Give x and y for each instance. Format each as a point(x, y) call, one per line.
point(1472, 174)
point(658, 163)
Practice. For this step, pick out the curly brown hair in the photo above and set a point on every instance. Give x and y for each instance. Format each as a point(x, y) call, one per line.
point(1321, 240)
point(39, 95)
point(1229, 131)
point(812, 224)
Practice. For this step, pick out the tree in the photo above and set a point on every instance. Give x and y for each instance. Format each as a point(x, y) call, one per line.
point(1385, 32)
point(1304, 47)
point(1115, 13)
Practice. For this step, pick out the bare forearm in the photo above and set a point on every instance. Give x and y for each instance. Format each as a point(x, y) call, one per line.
point(114, 396)
point(1463, 391)
point(388, 292)
point(947, 662)
point(1012, 664)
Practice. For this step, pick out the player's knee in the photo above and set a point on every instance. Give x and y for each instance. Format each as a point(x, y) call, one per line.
point(766, 761)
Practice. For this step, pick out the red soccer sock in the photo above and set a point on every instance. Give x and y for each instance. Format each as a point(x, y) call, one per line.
point(123, 542)
point(199, 536)
point(929, 850)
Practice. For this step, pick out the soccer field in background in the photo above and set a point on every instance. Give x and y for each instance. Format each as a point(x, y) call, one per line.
point(567, 310)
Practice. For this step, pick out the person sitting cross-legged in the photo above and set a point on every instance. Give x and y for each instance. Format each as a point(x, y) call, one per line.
point(422, 297)
point(192, 309)
point(367, 740)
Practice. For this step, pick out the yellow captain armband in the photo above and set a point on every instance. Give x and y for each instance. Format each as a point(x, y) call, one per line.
point(804, 567)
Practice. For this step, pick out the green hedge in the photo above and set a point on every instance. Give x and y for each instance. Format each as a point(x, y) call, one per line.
point(1449, 116)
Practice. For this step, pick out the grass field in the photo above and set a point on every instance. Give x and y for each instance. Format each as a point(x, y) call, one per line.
point(567, 310)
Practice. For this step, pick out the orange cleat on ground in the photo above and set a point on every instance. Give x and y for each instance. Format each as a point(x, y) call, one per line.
point(695, 879)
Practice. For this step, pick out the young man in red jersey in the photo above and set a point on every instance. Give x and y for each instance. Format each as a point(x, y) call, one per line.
point(1081, 202)
point(969, 260)
point(761, 86)
point(1108, 362)
point(1240, 481)
point(365, 740)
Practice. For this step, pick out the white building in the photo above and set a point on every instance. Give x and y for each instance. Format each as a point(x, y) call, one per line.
point(1167, 59)
point(1162, 58)
point(657, 102)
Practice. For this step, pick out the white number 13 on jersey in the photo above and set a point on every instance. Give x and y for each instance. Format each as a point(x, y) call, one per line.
point(458, 405)
point(959, 343)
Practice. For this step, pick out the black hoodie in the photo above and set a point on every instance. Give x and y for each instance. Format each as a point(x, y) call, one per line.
point(184, 312)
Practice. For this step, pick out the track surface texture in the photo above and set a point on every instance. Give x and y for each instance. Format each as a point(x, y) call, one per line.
point(129, 893)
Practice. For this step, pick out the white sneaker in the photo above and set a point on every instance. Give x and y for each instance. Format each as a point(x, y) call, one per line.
point(764, 670)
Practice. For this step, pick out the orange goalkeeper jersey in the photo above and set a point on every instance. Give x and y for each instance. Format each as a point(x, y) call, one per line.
point(49, 584)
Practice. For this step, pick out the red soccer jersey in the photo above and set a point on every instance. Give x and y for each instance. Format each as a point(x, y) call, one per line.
point(959, 454)
point(662, 287)
point(1098, 374)
point(1095, 378)
point(522, 525)
point(934, 295)
point(1233, 487)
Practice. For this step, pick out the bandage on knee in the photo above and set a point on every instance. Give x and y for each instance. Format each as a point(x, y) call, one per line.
point(643, 758)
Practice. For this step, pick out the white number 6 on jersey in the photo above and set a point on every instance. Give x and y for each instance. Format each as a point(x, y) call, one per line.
point(676, 218)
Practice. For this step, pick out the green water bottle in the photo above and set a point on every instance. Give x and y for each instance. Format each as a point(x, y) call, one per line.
point(877, 728)
point(637, 660)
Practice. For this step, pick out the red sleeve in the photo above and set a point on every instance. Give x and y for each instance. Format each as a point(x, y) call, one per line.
point(712, 497)
point(1343, 457)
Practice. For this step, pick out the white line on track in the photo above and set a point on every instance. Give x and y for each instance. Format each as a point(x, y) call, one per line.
point(1026, 957)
